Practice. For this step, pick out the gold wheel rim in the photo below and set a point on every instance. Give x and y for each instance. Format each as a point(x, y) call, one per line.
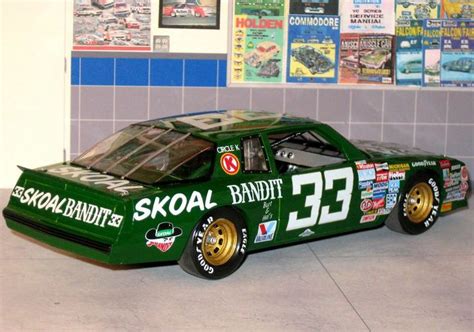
point(219, 242)
point(419, 203)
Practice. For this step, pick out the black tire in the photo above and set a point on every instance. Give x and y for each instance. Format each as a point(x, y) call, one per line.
point(418, 208)
point(226, 249)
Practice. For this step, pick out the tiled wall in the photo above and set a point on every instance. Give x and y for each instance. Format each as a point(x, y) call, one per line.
point(110, 93)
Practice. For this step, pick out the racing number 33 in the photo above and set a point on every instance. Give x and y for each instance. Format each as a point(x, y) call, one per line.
point(314, 201)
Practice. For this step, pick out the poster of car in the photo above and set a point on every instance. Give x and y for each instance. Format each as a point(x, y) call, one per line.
point(431, 53)
point(457, 9)
point(257, 41)
point(361, 16)
point(457, 53)
point(406, 10)
point(313, 49)
point(189, 14)
point(349, 58)
point(409, 57)
point(376, 59)
point(111, 25)
point(314, 7)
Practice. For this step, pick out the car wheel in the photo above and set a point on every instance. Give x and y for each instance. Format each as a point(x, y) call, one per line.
point(218, 245)
point(418, 208)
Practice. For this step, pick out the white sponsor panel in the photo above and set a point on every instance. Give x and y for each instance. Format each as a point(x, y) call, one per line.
point(174, 205)
point(257, 191)
point(68, 207)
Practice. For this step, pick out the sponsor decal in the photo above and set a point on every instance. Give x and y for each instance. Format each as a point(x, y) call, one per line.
point(378, 186)
point(108, 181)
point(366, 194)
point(230, 164)
point(464, 187)
point(365, 185)
point(267, 211)
point(266, 231)
point(257, 191)
point(174, 205)
point(383, 211)
point(391, 201)
point(382, 176)
point(366, 205)
point(447, 206)
point(306, 233)
point(397, 175)
point(455, 167)
point(378, 203)
point(393, 186)
point(445, 163)
point(381, 167)
point(68, 207)
point(365, 171)
point(378, 194)
point(368, 218)
point(423, 163)
point(464, 173)
point(228, 148)
point(399, 167)
point(162, 237)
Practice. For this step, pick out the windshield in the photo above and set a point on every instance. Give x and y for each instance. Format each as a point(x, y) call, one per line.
point(150, 155)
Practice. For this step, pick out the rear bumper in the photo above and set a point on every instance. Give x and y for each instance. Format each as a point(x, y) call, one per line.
point(77, 244)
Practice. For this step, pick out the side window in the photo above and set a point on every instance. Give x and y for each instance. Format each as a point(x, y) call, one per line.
point(303, 150)
point(254, 156)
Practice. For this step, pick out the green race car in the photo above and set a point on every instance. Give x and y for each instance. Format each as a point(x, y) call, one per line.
point(206, 189)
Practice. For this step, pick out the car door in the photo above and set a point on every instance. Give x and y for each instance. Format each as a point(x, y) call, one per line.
point(320, 192)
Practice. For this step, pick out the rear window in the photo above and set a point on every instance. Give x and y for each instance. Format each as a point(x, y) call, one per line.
point(151, 155)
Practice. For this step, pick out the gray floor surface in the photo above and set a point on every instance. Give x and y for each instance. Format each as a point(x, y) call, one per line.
point(374, 280)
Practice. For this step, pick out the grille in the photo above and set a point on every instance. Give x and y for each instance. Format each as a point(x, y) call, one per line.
point(36, 225)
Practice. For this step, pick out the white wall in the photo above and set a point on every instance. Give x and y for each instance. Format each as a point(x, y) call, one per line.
point(34, 85)
point(194, 41)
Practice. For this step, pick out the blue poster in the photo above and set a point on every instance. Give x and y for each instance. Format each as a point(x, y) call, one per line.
point(313, 49)
point(457, 53)
point(409, 52)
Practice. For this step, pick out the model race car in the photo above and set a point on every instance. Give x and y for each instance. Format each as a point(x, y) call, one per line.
point(206, 189)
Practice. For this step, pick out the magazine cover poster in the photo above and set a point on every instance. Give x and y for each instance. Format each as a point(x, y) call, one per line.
point(431, 48)
point(257, 42)
point(189, 14)
point(457, 53)
point(313, 49)
point(311, 7)
point(368, 16)
point(457, 9)
point(349, 58)
point(409, 57)
point(406, 10)
point(111, 25)
point(376, 59)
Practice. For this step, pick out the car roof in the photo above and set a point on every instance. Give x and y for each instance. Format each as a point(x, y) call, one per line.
point(226, 124)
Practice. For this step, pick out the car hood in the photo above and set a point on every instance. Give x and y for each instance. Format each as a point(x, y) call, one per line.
point(380, 149)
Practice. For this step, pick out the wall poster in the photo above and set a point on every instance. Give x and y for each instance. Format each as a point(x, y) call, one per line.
point(409, 53)
point(257, 41)
point(406, 10)
point(111, 25)
point(189, 14)
point(431, 52)
point(457, 9)
point(457, 53)
point(368, 16)
point(313, 49)
point(312, 7)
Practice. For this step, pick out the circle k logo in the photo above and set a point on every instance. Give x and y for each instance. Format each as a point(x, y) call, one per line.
point(366, 205)
point(230, 164)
